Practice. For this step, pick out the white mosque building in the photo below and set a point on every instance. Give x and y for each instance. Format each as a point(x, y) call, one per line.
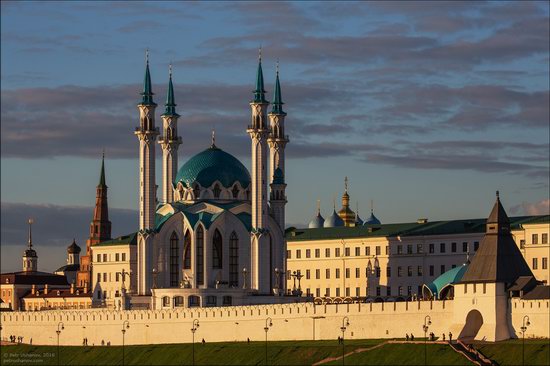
point(217, 234)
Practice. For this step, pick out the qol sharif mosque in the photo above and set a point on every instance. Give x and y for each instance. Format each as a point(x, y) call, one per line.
point(218, 234)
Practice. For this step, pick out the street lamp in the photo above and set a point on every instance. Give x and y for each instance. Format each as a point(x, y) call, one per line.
point(60, 327)
point(427, 323)
point(523, 329)
point(193, 330)
point(268, 323)
point(345, 324)
point(125, 325)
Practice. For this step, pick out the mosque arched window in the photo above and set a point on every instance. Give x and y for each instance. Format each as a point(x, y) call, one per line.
point(217, 191)
point(174, 270)
point(187, 250)
point(235, 191)
point(217, 250)
point(200, 256)
point(196, 191)
point(234, 260)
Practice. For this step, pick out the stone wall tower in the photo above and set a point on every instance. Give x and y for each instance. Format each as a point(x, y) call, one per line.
point(169, 143)
point(146, 134)
point(277, 141)
point(30, 258)
point(259, 131)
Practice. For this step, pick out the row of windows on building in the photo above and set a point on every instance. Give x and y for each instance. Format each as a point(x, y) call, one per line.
point(194, 301)
point(400, 249)
point(336, 292)
point(108, 277)
point(544, 263)
point(535, 238)
point(408, 271)
point(118, 257)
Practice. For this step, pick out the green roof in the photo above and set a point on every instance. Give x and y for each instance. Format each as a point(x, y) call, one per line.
point(259, 92)
point(170, 105)
point(213, 164)
point(406, 229)
point(448, 278)
point(277, 100)
point(130, 239)
point(147, 94)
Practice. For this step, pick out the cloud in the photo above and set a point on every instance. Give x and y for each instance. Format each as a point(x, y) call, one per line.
point(53, 230)
point(541, 207)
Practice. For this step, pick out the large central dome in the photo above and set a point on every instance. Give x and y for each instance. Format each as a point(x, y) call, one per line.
point(213, 164)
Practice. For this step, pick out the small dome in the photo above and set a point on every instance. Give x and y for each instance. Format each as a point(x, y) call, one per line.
point(73, 248)
point(30, 253)
point(317, 222)
point(333, 220)
point(213, 164)
point(358, 221)
point(372, 220)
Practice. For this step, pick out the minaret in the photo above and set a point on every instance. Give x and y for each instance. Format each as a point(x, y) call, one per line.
point(30, 259)
point(169, 143)
point(258, 131)
point(277, 141)
point(147, 134)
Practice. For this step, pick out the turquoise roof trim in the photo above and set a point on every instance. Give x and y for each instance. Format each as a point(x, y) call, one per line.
point(213, 164)
point(170, 105)
point(259, 93)
point(277, 99)
point(147, 94)
point(278, 176)
point(448, 278)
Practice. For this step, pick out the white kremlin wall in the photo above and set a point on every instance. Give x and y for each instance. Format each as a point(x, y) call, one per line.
point(304, 321)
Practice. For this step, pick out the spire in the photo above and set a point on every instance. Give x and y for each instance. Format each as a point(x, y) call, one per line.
point(213, 145)
point(318, 207)
point(31, 221)
point(277, 100)
point(371, 206)
point(102, 175)
point(170, 101)
point(147, 94)
point(498, 216)
point(259, 93)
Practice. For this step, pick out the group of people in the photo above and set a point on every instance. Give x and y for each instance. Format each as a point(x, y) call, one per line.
point(340, 340)
point(84, 341)
point(432, 336)
point(411, 337)
point(18, 339)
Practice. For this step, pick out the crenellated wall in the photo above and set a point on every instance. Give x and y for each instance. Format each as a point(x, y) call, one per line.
point(538, 312)
point(290, 322)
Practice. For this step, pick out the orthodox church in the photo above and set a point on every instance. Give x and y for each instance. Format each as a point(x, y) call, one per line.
point(218, 228)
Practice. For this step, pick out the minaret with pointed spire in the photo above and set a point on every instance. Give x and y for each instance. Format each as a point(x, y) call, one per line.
point(30, 258)
point(259, 131)
point(147, 134)
point(277, 141)
point(169, 143)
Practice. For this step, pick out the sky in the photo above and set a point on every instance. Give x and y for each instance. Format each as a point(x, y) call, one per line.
point(427, 107)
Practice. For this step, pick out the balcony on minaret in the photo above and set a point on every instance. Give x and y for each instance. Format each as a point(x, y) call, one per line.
point(141, 130)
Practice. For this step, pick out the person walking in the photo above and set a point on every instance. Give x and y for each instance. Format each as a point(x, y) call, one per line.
point(450, 336)
point(443, 336)
point(407, 336)
point(412, 337)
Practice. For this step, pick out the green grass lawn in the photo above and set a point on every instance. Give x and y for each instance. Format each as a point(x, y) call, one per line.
point(406, 354)
point(537, 352)
point(279, 353)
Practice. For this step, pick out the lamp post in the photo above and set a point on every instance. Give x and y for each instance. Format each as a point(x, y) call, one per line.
point(523, 329)
point(193, 330)
point(345, 324)
point(60, 327)
point(125, 325)
point(427, 323)
point(268, 323)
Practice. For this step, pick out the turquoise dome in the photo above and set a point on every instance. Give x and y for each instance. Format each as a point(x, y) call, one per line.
point(213, 164)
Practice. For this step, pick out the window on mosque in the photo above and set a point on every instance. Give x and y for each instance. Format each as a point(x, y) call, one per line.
point(174, 263)
point(199, 256)
point(465, 247)
point(217, 191)
point(476, 246)
point(544, 238)
point(308, 253)
point(453, 247)
point(308, 274)
point(535, 238)
point(327, 252)
point(233, 260)
point(317, 253)
point(187, 250)
point(235, 191)
point(431, 248)
point(217, 250)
